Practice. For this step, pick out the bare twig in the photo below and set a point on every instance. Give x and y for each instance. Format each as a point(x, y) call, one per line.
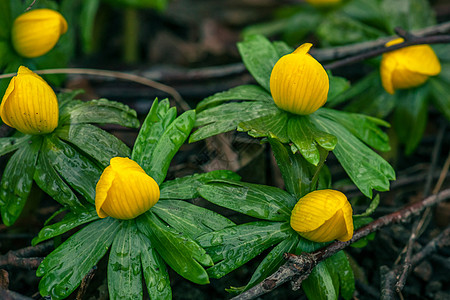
point(10, 295)
point(85, 283)
point(24, 258)
point(301, 265)
point(30, 6)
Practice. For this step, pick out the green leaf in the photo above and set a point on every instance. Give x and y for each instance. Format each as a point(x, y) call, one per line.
point(65, 267)
point(124, 265)
point(226, 117)
point(88, 12)
point(167, 146)
point(5, 19)
point(186, 187)
point(70, 221)
point(188, 218)
point(411, 111)
point(155, 271)
point(72, 166)
point(440, 97)
point(101, 111)
point(294, 169)
point(363, 127)
point(268, 126)
point(181, 253)
point(259, 201)
point(271, 262)
point(408, 14)
point(51, 182)
point(232, 247)
point(9, 144)
point(341, 266)
point(338, 85)
point(372, 207)
point(97, 143)
point(259, 56)
point(242, 92)
point(367, 169)
point(359, 222)
point(17, 180)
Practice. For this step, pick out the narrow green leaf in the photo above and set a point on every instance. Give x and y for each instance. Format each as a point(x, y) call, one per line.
point(17, 179)
point(186, 187)
point(232, 247)
point(411, 109)
point(372, 207)
point(363, 127)
point(9, 144)
point(88, 12)
point(188, 218)
point(155, 271)
point(51, 182)
point(274, 126)
point(124, 265)
point(97, 143)
point(341, 266)
point(181, 253)
point(259, 201)
point(242, 92)
point(303, 139)
point(227, 116)
point(66, 102)
point(167, 146)
point(101, 111)
point(259, 56)
point(73, 167)
point(158, 119)
point(367, 169)
point(70, 221)
point(65, 267)
point(440, 97)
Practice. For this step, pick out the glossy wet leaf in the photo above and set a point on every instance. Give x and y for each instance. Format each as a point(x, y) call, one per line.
point(232, 247)
point(124, 265)
point(100, 111)
point(77, 170)
point(364, 127)
point(365, 168)
point(270, 263)
point(64, 268)
point(412, 109)
point(273, 125)
point(186, 187)
point(259, 57)
point(439, 91)
point(66, 101)
point(226, 117)
point(9, 144)
point(167, 146)
point(259, 201)
point(188, 218)
point(242, 92)
point(158, 119)
point(181, 253)
point(155, 271)
point(97, 143)
point(17, 180)
point(70, 221)
point(48, 179)
point(339, 262)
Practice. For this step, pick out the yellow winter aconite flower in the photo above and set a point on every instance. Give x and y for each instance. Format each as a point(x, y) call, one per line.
point(298, 83)
point(323, 2)
point(37, 31)
point(124, 190)
point(29, 104)
point(322, 216)
point(408, 67)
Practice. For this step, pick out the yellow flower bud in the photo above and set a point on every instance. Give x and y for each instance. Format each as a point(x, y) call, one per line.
point(124, 190)
point(323, 2)
point(37, 31)
point(407, 67)
point(299, 83)
point(322, 216)
point(29, 104)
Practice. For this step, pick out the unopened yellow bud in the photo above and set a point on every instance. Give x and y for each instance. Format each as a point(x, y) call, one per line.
point(37, 31)
point(29, 104)
point(408, 67)
point(124, 190)
point(298, 83)
point(323, 216)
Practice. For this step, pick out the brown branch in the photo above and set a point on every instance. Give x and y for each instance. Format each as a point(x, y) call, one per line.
point(23, 258)
point(301, 265)
point(85, 283)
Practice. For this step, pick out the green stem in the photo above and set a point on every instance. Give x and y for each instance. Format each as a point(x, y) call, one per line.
point(130, 35)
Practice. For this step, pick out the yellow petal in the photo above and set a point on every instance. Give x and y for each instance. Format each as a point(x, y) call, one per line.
point(29, 104)
point(299, 83)
point(124, 190)
point(37, 31)
point(322, 216)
